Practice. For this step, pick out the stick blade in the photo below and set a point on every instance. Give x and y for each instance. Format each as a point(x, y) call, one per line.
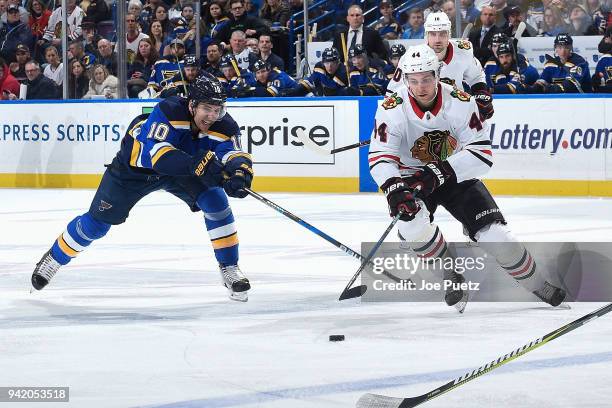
point(378, 401)
point(355, 292)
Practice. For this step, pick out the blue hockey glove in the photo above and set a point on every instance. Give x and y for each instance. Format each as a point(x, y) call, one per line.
point(239, 169)
point(207, 168)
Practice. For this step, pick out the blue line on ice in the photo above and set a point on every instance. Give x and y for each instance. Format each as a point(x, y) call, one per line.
point(381, 383)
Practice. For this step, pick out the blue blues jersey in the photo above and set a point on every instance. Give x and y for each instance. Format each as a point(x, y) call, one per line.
point(164, 141)
point(245, 78)
point(576, 67)
point(371, 81)
point(514, 81)
point(389, 71)
point(278, 82)
point(385, 28)
point(603, 70)
point(324, 83)
point(163, 71)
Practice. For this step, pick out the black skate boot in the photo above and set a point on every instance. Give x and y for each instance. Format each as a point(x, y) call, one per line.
point(44, 271)
point(550, 294)
point(236, 283)
point(455, 296)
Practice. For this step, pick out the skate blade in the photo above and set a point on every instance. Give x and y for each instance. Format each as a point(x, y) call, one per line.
point(239, 296)
point(461, 305)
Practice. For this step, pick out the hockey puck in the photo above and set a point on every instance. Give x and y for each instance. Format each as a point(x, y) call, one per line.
point(336, 337)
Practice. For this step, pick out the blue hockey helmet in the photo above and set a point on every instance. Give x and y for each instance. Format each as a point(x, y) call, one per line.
point(206, 88)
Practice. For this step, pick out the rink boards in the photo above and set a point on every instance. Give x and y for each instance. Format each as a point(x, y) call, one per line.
point(541, 145)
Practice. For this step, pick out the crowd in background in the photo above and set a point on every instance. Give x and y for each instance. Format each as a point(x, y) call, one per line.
point(245, 43)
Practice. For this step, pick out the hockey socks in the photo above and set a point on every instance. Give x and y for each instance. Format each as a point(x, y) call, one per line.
point(219, 222)
point(79, 234)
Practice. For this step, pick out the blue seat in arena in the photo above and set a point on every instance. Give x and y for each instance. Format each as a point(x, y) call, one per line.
point(106, 29)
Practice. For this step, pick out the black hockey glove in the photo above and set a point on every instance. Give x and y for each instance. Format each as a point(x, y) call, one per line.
point(207, 168)
point(239, 169)
point(400, 198)
point(432, 176)
point(485, 104)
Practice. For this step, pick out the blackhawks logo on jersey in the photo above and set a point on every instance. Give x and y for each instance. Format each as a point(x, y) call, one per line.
point(435, 145)
point(464, 44)
point(392, 101)
point(461, 95)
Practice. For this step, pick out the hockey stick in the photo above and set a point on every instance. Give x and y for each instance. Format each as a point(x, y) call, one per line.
point(520, 30)
point(351, 146)
point(308, 143)
point(381, 401)
point(368, 258)
point(466, 31)
point(353, 292)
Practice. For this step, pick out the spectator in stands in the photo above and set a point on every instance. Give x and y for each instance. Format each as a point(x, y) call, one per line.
point(329, 77)
point(3, 6)
point(250, 9)
point(76, 50)
point(140, 70)
point(187, 12)
point(514, 17)
point(265, 53)
point(22, 55)
point(358, 34)
point(161, 15)
point(213, 58)
point(365, 79)
point(602, 79)
point(38, 85)
point(580, 22)
point(14, 32)
point(78, 81)
point(481, 37)
point(133, 35)
point(251, 26)
point(469, 12)
point(275, 11)
point(8, 83)
point(54, 69)
point(271, 82)
point(567, 72)
point(387, 27)
point(553, 23)
point(215, 18)
point(90, 37)
point(102, 84)
point(414, 29)
point(24, 16)
point(239, 50)
point(448, 7)
point(135, 8)
point(54, 28)
point(499, 6)
point(38, 19)
point(106, 56)
point(97, 11)
point(148, 11)
point(505, 75)
point(252, 44)
point(157, 35)
point(601, 15)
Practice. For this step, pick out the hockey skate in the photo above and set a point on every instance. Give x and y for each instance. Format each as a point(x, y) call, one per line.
point(44, 271)
point(236, 283)
point(454, 296)
point(550, 294)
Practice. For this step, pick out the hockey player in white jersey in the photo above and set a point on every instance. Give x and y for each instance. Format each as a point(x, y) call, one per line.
point(430, 148)
point(458, 64)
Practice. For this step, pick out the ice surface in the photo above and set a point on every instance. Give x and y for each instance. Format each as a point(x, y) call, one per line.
point(141, 319)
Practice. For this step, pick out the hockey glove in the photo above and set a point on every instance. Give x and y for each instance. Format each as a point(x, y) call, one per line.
point(430, 177)
point(239, 169)
point(485, 104)
point(207, 168)
point(400, 198)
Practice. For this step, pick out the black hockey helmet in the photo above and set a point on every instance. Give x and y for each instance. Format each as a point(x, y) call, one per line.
point(397, 50)
point(259, 64)
point(505, 48)
point(190, 60)
point(499, 38)
point(564, 39)
point(330, 55)
point(356, 51)
point(206, 88)
point(226, 61)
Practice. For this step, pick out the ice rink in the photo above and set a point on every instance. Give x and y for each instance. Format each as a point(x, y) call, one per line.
point(140, 319)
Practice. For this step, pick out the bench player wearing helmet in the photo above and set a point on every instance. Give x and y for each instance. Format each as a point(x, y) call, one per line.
point(430, 148)
point(188, 147)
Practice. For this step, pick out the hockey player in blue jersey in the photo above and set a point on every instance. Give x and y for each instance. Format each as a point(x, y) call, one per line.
point(188, 147)
point(329, 77)
point(397, 50)
point(179, 83)
point(602, 79)
point(503, 75)
point(238, 82)
point(271, 82)
point(166, 68)
point(365, 79)
point(567, 72)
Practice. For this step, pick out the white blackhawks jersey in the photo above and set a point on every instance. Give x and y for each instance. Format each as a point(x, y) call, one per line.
point(406, 138)
point(459, 66)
